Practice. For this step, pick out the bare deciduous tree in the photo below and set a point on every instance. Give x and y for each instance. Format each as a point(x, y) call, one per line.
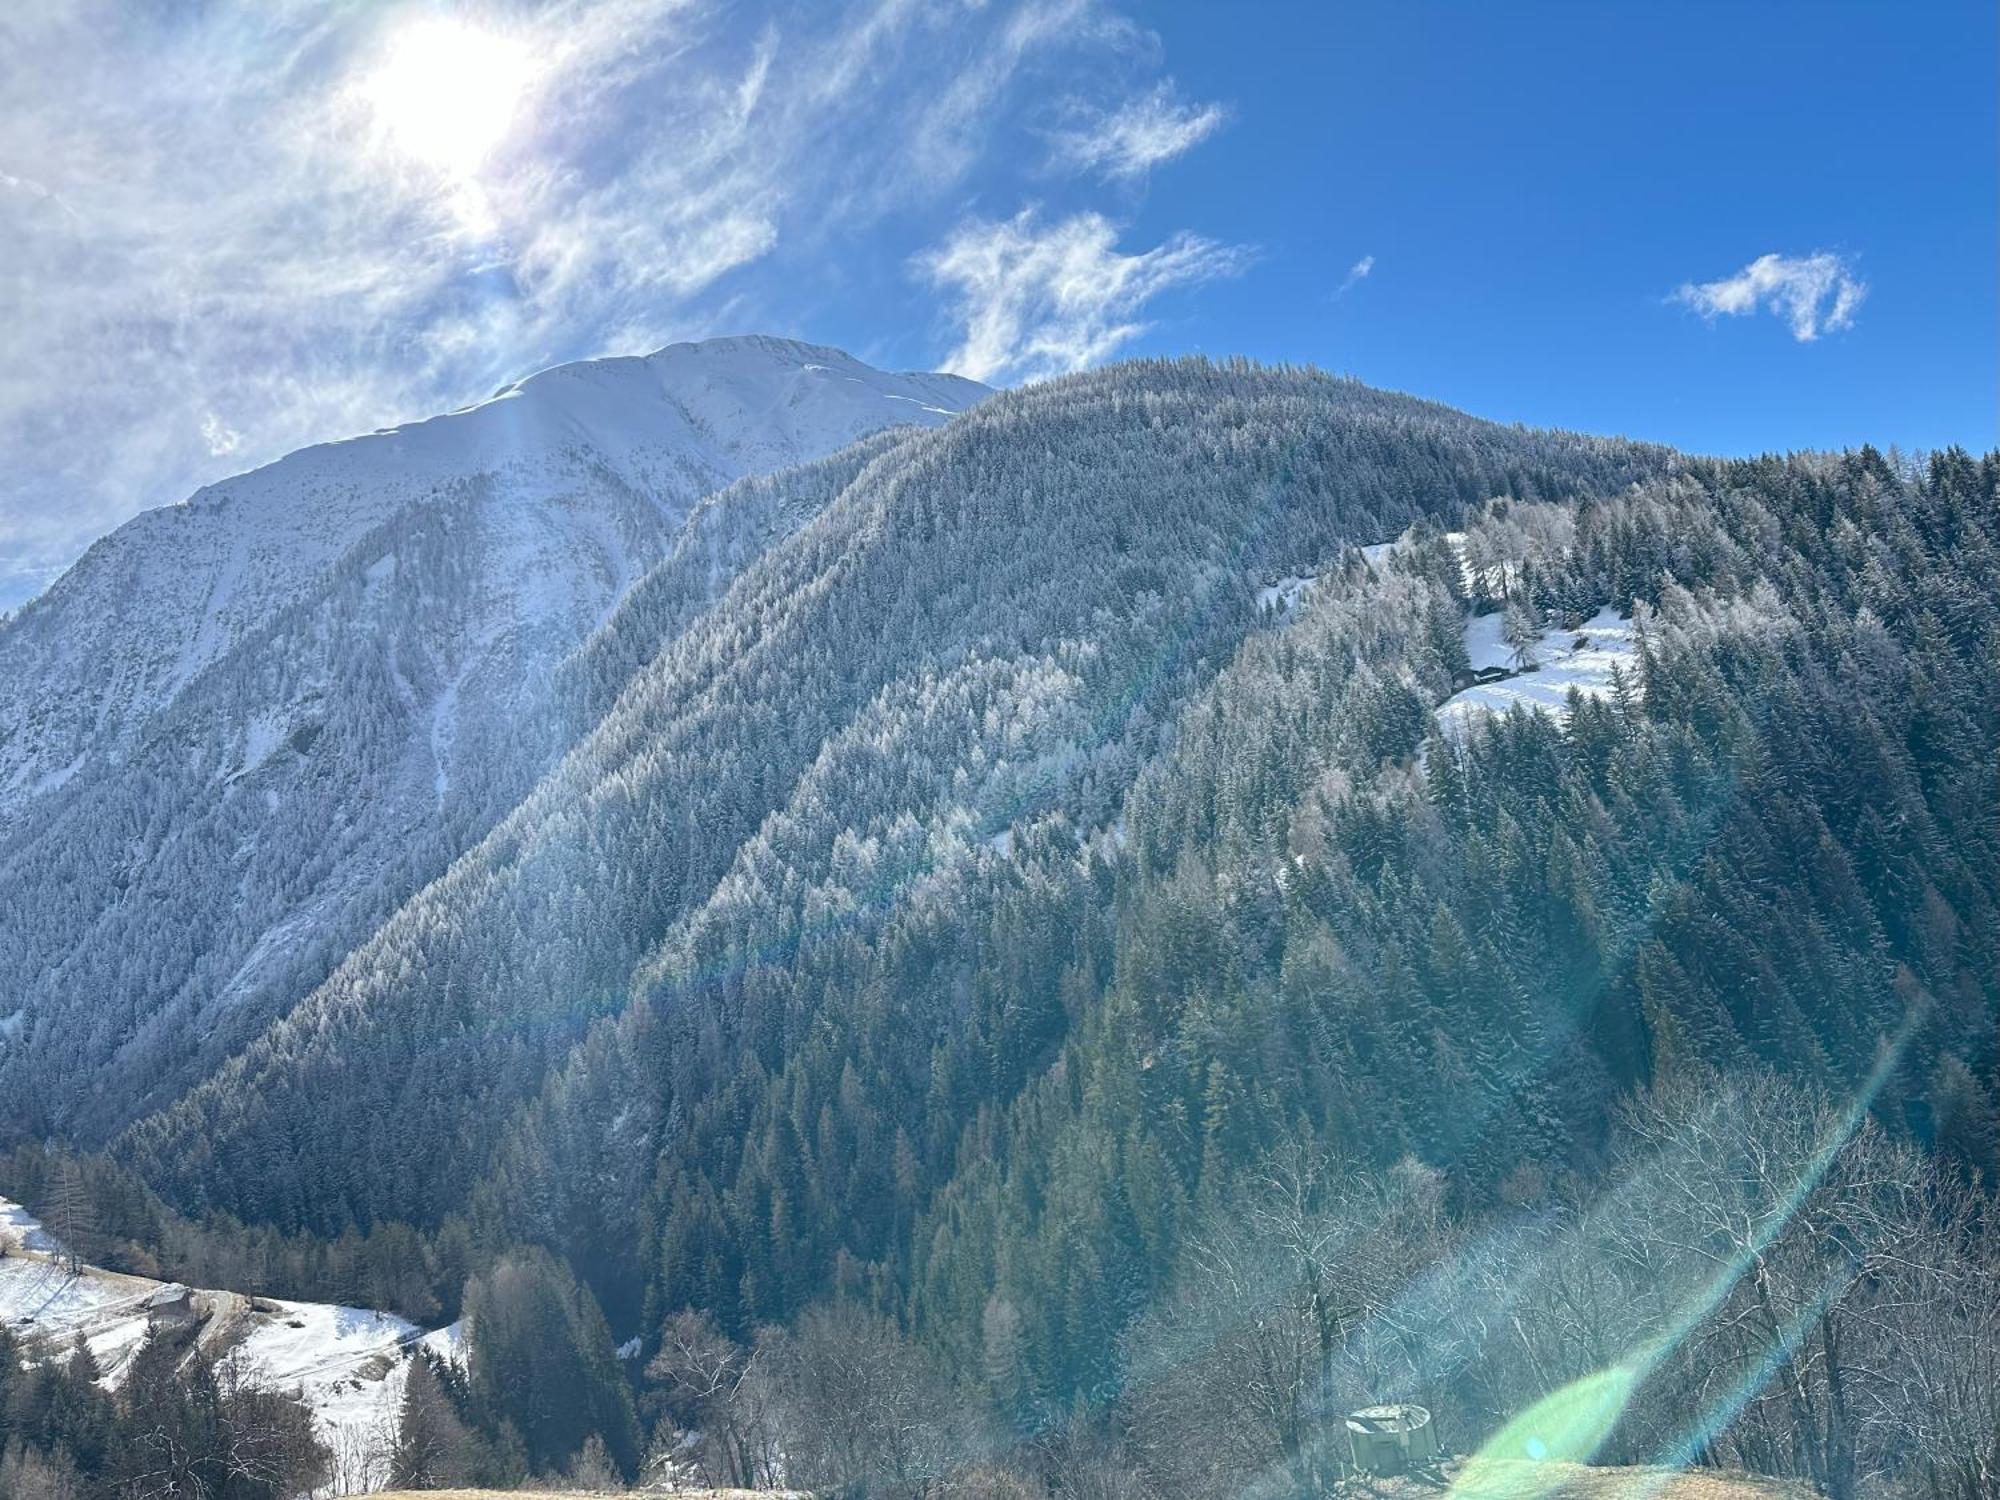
point(1290, 1311)
point(706, 1390)
point(858, 1408)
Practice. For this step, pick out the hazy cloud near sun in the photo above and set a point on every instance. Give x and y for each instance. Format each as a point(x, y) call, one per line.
point(233, 230)
point(1814, 294)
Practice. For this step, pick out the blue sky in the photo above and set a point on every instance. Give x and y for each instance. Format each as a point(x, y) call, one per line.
point(235, 226)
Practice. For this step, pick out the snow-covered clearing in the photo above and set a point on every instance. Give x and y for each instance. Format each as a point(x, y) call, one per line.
point(1582, 659)
point(19, 1230)
point(1283, 595)
point(39, 1297)
point(347, 1363)
point(263, 733)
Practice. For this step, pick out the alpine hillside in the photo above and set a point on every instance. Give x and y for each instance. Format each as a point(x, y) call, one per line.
point(243, 728)
point(1068, 948)
point(979, 627)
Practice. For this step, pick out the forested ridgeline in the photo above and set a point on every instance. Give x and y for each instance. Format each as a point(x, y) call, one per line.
point(222, 874)
point(987, 620)
point(168, 904)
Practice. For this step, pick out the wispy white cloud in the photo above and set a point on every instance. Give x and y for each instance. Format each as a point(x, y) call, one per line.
point(1356, 273)
point(953, 126)
point(1814, 293)
point(221, 438)
point(1038, 299)
point(1130, 141)
point(218, 247)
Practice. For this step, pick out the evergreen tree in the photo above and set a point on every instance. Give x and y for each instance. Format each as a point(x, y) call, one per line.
point(542, 1364)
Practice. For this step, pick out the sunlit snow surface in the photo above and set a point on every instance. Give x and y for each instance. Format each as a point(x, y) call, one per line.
point(1582, 659)
point(1283, 596)
point(347, 1363)
point(19, 1231)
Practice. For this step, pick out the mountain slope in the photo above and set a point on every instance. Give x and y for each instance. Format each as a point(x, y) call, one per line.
point(1007, 1086)
point(986, 622)
point(242, 730)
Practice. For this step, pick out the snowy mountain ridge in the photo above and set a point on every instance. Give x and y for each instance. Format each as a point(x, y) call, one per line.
point(615, 450)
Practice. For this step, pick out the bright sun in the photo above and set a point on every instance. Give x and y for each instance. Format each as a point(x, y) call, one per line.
point(446, 92)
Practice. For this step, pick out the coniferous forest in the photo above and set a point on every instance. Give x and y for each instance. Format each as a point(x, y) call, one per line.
point(1003, 969)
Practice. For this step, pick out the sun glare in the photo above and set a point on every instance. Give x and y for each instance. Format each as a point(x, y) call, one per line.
point(447, 91)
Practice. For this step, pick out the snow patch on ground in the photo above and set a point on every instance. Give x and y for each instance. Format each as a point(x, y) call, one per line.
point(19, 1229)
point(261, 736)
point(51, 781)
point(1607, 642)
point(1283, 596)
point(40, 1298)
point(942, 411)
point(348, 1364)
point(1486, 644)
point(447, 1343)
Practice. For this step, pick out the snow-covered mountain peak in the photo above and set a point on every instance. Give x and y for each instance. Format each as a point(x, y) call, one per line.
point(744, 397)
point(576, 475)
